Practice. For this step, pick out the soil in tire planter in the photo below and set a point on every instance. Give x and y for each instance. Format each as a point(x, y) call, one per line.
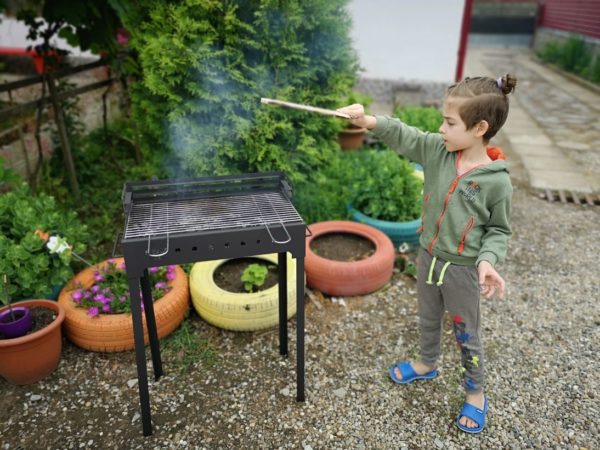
point(42, 317)
point(342, 247)
point(228, 275)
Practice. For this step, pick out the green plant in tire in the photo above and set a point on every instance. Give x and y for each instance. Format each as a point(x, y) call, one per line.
point(254, 276)
point(385, 188)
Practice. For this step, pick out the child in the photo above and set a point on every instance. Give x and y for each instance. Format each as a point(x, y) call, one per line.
point(465, 225)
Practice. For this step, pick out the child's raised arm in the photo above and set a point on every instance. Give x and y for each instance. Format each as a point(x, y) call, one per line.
point(404, 139)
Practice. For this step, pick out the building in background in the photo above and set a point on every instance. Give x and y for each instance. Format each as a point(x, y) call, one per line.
point(407, 40)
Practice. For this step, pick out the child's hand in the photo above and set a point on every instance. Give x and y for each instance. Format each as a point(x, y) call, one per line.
point(358, 116)
point(490, 281)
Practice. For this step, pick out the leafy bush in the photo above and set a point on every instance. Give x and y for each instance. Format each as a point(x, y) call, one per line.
point(426, 119)
point(377, 182)
point(206, 64)
point(104, 161)
point(385, 187)
point(573, 56)
point(31, 269)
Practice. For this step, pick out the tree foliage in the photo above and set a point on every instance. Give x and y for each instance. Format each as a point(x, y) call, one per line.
point(207, 63)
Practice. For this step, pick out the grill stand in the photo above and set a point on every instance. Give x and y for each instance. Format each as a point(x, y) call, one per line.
point(137, 273)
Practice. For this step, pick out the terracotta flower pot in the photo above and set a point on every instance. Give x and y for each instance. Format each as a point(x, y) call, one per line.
point(114, 332)
point(349, 277)
point(351, 138)
point(30, 358)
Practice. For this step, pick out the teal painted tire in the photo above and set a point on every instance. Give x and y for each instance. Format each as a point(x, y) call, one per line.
point(398, 232)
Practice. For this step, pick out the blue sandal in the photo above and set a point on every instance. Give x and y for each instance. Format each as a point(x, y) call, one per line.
point(475, 414)
point(408, 373)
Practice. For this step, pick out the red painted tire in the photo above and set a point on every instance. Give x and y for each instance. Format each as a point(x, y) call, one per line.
point(354, 277)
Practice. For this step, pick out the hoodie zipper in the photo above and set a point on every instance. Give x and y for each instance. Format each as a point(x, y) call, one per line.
point(425, 204)
point(446, 200)
point(466, 231)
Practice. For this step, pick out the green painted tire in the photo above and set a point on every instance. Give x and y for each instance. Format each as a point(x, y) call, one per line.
point(398, 232)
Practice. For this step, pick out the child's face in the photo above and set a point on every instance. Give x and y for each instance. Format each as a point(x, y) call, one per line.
point(453, 129)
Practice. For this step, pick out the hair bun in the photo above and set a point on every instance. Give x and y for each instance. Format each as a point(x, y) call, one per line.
point(509, 83)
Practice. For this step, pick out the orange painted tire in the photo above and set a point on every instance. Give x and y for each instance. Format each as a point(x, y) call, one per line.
point(114, 332)
point(353, 277)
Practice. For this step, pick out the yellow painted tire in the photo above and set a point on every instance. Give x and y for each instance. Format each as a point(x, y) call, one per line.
point(239, 311)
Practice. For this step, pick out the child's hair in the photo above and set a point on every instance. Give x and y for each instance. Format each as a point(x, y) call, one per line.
point(485, 99)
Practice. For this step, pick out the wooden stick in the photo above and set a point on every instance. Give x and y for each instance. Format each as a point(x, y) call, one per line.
point(327, 112)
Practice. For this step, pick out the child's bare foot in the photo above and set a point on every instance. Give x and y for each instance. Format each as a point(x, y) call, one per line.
point(419, 368)
point(477, 400)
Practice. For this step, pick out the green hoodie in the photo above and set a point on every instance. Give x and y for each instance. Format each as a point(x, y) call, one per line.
point(466, 219)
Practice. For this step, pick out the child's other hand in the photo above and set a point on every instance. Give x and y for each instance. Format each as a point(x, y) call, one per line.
point(358, 116)
point(490, 281)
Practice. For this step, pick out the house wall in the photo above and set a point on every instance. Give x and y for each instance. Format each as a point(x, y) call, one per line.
point(410, 40)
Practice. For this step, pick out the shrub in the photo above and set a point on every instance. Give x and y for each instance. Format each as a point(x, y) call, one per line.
point(206, 64)
point(385, 187)
point(426, 119)
point(32, 270)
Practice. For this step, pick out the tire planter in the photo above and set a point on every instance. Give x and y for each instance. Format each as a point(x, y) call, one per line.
point(239, 311)
point(114, 332)
point(32, 357)
point(398, 232)
point(352, 277)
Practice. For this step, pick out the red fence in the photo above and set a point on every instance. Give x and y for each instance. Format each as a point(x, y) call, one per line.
point(578, 16)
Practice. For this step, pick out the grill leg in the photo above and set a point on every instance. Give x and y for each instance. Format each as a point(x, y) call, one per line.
point(140, 355)
point(283, 338)
point(300, 329)
point(151, 325)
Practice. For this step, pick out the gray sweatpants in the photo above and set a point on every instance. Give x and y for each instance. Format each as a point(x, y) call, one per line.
point(449, 287)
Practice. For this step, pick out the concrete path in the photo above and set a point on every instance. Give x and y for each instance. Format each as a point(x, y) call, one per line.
point(554, 122)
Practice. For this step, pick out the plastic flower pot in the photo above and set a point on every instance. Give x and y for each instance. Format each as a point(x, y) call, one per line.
point(15, 322)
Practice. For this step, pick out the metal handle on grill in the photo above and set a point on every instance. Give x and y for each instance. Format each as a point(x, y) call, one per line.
point(117, 240)
point(272, 238)
point(157, 255)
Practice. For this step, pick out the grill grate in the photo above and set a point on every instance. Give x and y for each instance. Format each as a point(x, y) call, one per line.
point(209, 214)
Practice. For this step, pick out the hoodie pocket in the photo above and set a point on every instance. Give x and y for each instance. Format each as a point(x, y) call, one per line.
point(465, 233)
point(425, 203)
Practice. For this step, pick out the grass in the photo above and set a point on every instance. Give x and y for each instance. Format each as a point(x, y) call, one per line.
point(185, 347)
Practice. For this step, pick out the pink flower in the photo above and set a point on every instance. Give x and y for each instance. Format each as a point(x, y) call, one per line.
point(95, 289)
point(98, 277)
point(153, 269)
point(93, 311)
point(77, 295)
point(171, 276)
point(160, 285)
point(106, 307)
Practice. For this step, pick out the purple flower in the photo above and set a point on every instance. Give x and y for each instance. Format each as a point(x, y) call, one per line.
point(95, 289)
point(93, 311)
point(77, 295)
point(106, 307)
point(99, 298)
point(122, 298)
point(171, 268)
point(87, 294)
point(160, 285)
point(171, 275)
point(153, 269)
point(111, 261)
point(98, 277)
point(123, 266)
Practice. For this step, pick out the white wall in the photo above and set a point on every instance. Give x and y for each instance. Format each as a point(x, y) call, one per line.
point(13, 33)
point(407, 39)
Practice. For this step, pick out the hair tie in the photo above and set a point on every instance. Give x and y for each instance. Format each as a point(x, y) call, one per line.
point(499, 83)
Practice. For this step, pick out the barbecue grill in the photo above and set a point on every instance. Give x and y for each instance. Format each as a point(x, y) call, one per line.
point(182, 221)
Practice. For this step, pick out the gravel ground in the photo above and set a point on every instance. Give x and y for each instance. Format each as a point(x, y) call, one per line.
point(541, 343)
